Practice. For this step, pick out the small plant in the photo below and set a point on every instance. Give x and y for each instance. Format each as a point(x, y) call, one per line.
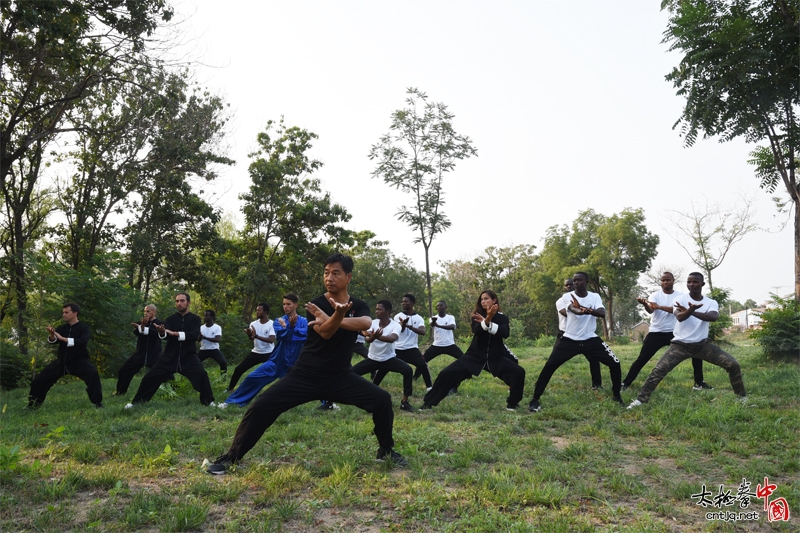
point(9, 459)
point(166, 458)
point(53, 445)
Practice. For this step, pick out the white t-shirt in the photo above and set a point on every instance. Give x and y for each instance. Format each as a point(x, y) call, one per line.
point(263, 330)
point(443, 337)
point(661, 321)
point(562, 320)
point(408, 339)
point(581, 327)
point(379, 350)
point(212, 332)
point(693, 329)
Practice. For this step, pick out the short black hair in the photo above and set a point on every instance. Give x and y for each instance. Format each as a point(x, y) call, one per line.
point(75, 308)
point(345, 260)
point(264, 306)
point(291, 296)
point(581, 273)
point(211, 311)
point(386, 304)
point(410, 297)
point(188, 298)
point(698, 274)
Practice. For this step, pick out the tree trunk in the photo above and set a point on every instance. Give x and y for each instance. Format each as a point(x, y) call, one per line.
point(20, 286)
point(428, 279)
point(797, 252)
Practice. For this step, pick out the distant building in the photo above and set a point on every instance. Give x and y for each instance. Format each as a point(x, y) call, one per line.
point(747, 319)
point(640, 331)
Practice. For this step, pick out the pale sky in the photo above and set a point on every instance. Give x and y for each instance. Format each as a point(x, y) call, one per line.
point(566, 103)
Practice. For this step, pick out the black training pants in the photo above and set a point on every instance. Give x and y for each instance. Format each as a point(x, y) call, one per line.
point(252, 359)
point(82, 368)
point(566, 348)
point(394, 364)
point(188, 366)
point(412, 356)
point(297, 388)
point(451, 376)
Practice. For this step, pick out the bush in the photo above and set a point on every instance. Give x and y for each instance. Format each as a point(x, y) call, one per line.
point(545, 341)
point(621, 340)
point(516, 337)
point(779, 335)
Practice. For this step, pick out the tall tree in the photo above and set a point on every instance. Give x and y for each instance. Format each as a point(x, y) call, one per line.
point(285, 210)
point(707, 233)
point(420, 148)
point(740, 75)
point(135, 126)
point(55, 53)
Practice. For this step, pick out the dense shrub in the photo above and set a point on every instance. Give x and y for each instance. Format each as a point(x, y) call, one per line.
point(779, 335)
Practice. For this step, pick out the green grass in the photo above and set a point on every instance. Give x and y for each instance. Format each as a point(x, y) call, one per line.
point(582, 464)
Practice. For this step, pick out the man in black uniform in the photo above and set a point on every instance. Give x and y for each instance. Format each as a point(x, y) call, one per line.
point(181, 329)
point(73, 358)
point(148, 349)
point(322, 371)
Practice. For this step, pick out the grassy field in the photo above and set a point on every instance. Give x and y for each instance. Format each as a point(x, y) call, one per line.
point(583, 464)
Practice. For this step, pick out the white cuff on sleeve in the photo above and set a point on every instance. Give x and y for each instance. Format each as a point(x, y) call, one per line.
point(55, 340)
point(144, 331)
point(491, 328)
point(164, 336)
point(70, 341)
point(181, 336)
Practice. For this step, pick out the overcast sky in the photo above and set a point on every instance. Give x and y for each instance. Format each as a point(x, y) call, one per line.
point(566, 103)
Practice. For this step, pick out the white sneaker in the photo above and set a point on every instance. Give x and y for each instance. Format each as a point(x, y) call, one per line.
point(222, 405)
point(212, 404)
point(742, 400)
point(428, 389)
point(128, 405)
point(634, 403)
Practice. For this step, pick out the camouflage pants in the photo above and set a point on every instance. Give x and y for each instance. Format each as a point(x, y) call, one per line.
point(679, 352)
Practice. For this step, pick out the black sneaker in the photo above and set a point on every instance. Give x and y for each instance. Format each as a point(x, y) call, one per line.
point(512, 407)
point(405, 406)
point(220, 466)
point(618, 399)
point(328, 406)
point(535, 406)
point(597, 387)
point(425, 407)
point(99, 405)
point(391, 456)
point(623, 387)
point(702, 386)
point(453, 391)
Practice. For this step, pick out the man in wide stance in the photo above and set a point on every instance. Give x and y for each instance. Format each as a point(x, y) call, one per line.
point(73, 358)
point(694, 312)
point(181, 329)
point(322, 371)
point(148, 349)
point(583, 309)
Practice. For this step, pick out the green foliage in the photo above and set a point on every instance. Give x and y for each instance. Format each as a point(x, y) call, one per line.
point(289, 221)
point(545, 341)
point(379, 274)
point(612, 250)
point(779, 335)
point(716, 329)
point(740, 75)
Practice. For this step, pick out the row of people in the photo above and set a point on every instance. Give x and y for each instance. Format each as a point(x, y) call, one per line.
point(323, 370)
